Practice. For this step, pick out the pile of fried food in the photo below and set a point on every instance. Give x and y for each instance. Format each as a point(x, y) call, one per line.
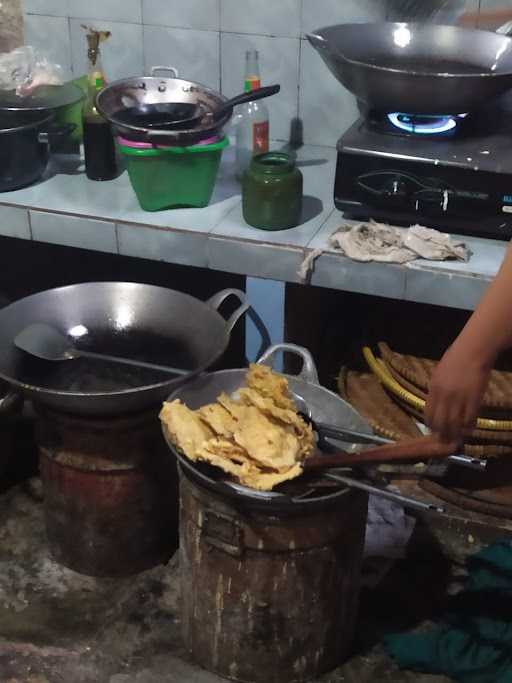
point(257, 437)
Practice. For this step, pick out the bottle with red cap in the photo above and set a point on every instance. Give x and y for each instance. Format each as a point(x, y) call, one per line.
point(252, 127)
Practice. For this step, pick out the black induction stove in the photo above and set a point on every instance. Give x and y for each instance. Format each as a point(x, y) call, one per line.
point(453, 173)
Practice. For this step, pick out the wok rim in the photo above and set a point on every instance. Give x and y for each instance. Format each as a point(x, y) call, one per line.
point(54, 393)
point(409, 72)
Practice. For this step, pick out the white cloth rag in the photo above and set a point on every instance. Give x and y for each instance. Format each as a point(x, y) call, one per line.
point(388, 531)
point(374, 241)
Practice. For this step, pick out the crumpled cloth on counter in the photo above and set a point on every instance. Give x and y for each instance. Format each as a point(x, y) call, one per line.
point(374, 241)
point(473, 642)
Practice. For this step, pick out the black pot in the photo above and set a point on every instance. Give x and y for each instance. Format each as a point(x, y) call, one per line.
point(25, 146)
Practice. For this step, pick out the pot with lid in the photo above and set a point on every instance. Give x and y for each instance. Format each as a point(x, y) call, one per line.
point(25, 139)
point(27, 129)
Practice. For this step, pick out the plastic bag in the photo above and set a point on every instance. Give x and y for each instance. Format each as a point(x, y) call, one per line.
point(25, 68)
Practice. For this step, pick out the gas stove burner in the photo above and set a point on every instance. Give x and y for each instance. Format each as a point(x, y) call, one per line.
point(425, 124)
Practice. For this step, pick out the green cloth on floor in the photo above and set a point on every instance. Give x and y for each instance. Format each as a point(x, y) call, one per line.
point(473, 643)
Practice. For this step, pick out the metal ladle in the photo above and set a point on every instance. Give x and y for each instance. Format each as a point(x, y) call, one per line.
point(46, 342)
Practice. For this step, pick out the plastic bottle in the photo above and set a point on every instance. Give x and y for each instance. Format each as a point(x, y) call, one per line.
point(252, 119)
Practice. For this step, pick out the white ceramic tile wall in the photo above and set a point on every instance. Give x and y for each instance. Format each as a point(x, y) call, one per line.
point(253, 16)
point(325, 106)
point(279, 63)
point(54, 8)
point(318, 13)
point(178, 47)
point(207, 40)
point(122, 53)
point(109, 10)
point(50, 35)
point(199, 14)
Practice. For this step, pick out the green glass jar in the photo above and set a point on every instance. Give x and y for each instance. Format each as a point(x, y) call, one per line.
point(272, 192)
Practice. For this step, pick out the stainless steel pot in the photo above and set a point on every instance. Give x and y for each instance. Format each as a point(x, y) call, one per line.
point(150, 90)
point(134, 320)
point(417, 68)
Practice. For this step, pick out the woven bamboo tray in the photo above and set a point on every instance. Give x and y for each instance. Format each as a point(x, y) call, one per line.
point(418, 371)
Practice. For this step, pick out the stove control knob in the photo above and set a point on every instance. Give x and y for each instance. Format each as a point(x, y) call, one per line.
point(432, 201)
point(395, 190)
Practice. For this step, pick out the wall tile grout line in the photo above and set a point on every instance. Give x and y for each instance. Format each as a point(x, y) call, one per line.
point(71, 65)
point(29, 217)
point(299, 82)
point(144, 52)
point(116, 224)
point(220, 60)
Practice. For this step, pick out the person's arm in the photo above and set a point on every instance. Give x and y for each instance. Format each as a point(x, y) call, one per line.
point(460, 380)
point(486, 19)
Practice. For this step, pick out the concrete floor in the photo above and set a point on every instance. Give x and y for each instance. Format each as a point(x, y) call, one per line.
point(57, 626)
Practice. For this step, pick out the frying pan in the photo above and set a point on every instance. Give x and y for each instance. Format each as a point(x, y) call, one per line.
point(183, 115)
point(417, 68)
point(155, 93)
point(323, 404)
point(133, 320)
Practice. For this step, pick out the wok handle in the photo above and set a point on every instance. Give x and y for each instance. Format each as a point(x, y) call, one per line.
point(55, 132)
point(317, 41)
point(165, 69)
point(308, 373)
point(251, 96)
point(218, 299)
point(78, 353)
point(506, 29)
point(409, 450)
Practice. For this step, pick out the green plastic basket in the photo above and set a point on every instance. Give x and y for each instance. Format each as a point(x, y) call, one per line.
point(172, 177)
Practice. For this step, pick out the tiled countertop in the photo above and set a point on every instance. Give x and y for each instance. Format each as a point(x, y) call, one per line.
point(69, 210)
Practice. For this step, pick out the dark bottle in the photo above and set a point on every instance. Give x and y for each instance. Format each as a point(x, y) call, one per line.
point(99, 147)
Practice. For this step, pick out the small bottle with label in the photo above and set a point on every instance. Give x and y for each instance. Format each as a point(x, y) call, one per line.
point(252, 125)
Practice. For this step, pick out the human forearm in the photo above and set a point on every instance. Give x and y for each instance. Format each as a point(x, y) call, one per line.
point(489, 20)
point(489, 330)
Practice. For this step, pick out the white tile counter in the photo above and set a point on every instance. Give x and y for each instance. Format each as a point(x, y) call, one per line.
point(68, 209)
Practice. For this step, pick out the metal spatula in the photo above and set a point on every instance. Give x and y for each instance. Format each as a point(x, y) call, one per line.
point(46, 342)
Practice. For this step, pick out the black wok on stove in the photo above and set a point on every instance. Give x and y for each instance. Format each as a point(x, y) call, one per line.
point(417, 68)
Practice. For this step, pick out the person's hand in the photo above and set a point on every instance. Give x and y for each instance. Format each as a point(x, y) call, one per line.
point(456, 392)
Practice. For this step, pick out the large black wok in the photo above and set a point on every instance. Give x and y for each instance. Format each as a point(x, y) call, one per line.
point(137, 321)
point(417, 68)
